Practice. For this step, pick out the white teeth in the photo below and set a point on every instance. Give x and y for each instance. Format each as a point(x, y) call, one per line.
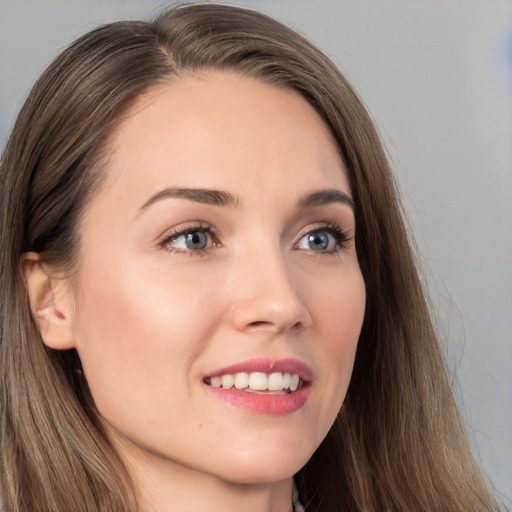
point(275, 381)
point(216, 382)
point(228, 381)
point(241, 380)
point(257, 381)
point(294, 382)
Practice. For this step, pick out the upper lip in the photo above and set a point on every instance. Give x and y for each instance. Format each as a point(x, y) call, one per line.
point(267, 365)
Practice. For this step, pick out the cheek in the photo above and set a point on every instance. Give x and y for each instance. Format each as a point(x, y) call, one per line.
point(341, 311)
point(340, 314)
point(138, 334)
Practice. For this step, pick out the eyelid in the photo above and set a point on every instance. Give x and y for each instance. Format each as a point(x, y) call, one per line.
point(340, 235)
point(186, 228)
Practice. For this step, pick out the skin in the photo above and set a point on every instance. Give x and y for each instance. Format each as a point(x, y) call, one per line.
point(150, 319)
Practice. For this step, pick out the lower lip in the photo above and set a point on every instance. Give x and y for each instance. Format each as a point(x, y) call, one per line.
point(273, 405)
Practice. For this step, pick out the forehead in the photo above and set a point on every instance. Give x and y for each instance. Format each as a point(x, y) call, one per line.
point(223, 130)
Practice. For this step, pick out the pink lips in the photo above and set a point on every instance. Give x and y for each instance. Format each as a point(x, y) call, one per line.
point(271, 404)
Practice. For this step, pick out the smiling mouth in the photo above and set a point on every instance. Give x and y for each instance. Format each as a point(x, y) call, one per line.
point(257, 382)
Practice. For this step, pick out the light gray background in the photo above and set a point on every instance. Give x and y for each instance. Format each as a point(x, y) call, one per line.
point(437, 78)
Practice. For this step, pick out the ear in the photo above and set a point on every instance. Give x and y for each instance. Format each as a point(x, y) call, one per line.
point(50, 301)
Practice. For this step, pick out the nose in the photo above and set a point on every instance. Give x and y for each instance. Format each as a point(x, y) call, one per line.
point(266, 296)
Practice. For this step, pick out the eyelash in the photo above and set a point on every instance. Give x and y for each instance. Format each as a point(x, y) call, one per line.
point(188, 229)
point(340, 237)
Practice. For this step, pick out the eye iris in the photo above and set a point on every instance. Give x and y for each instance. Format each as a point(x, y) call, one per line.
point(318, 241)
point(196, 240)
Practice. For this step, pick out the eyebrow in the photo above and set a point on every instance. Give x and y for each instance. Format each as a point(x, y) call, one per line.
point(327, 196)
point(222, 198)
point(199, 195)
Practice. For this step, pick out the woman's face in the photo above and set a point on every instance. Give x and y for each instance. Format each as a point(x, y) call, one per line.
point(220, 252)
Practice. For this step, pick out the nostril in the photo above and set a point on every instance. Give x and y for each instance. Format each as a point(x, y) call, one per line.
point(262, 324)
point(259, 324)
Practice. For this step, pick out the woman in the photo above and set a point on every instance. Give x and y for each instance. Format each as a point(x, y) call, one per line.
point(207, 287)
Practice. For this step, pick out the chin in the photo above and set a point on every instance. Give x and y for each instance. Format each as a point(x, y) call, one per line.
point(249, 474)
point(264, 466)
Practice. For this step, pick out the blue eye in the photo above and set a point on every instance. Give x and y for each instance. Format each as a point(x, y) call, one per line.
point(189, 240)
point(317, 241)
point(194, 240)
point(328, 239)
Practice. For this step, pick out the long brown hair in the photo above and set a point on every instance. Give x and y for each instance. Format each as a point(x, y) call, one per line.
point(397, 443)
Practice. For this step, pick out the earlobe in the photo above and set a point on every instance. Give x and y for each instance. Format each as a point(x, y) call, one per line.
point(50, 303)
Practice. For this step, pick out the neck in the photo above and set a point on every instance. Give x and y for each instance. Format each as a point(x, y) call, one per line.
point(199, 492)
point(163, 486)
